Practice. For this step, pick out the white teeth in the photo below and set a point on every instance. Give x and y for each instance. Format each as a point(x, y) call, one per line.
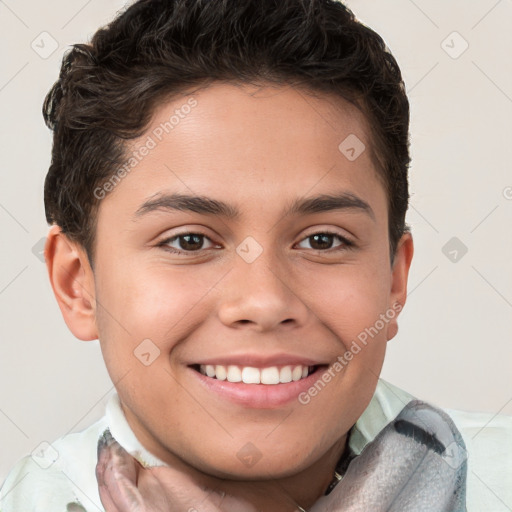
point(250, 375)
point(297, 373)
point(285, 375)
point(234, 374)
point(270, 375)
point(220, 372)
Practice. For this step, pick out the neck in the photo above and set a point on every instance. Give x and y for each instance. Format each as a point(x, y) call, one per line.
point(272, 495)
point(306, 487)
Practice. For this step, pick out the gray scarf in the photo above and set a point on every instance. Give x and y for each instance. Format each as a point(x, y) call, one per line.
point(417, 463)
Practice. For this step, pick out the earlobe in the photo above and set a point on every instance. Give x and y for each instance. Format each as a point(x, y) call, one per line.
point(399, 279)
point(72, 282)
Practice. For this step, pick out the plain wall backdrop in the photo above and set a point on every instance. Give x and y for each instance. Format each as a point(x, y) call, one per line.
point(454, 346)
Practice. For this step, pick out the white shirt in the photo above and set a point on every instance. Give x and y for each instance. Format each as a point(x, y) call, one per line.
point(64, 472)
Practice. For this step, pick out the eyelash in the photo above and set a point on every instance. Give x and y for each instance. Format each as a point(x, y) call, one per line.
point(347, 244)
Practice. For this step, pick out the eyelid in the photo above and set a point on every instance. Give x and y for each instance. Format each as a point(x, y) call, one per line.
point(347, 242)
point(329, 231)
point(166, 240)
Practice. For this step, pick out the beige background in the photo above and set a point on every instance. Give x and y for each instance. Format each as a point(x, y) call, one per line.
point(454, 347)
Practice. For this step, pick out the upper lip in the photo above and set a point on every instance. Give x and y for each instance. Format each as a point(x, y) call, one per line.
point(260, 360)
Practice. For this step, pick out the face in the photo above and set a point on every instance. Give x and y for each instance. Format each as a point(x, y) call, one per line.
point(257, 281)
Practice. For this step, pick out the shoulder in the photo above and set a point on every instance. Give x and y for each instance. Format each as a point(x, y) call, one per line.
point(484, 440)
point(56, 475)
point(488, 439)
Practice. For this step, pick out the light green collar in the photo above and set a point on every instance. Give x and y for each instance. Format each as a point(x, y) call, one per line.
point(385, 405)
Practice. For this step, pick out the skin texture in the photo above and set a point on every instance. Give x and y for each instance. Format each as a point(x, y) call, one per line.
point(257, 149)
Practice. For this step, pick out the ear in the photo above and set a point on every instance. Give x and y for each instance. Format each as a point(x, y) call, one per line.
point(72, 281)
point(399, 277)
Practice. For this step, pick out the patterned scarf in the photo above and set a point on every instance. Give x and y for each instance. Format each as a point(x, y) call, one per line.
point(417, 463)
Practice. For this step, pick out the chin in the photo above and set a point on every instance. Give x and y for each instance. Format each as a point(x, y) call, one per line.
point(256, 466)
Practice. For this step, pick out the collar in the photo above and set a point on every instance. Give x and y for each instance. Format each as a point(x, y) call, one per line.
point(124, 435)
point(385, 405)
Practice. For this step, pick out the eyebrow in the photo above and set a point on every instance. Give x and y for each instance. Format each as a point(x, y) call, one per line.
point(209, 206)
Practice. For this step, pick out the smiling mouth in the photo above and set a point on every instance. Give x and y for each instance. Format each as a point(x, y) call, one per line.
point(270, 375)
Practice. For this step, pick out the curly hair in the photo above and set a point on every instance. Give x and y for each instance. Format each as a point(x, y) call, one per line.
point(156, 50)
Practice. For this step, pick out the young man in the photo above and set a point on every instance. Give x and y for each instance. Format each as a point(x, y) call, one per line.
point(227, 196)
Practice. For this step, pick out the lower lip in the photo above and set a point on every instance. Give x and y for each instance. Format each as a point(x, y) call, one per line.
point(259, 396)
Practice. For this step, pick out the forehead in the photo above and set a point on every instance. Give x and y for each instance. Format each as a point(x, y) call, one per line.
point(275, 143)
point(247, 115)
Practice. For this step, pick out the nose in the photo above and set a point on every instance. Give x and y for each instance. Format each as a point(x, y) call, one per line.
point(261, 296)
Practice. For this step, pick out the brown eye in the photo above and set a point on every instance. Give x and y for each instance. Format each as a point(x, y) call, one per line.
point(323, 241)
point(186, 243)
point(191, 242)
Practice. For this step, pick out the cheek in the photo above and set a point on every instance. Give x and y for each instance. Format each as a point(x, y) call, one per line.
point(348, 299)
point(156, 303)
